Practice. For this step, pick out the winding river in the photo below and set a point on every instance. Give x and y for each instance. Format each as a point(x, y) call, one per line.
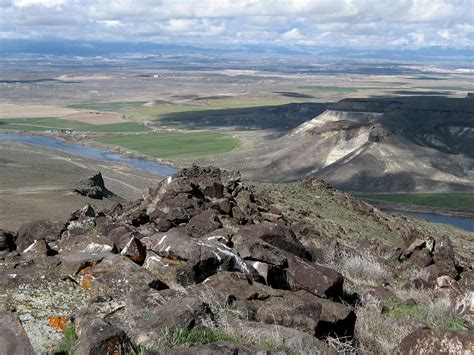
point(91, 153)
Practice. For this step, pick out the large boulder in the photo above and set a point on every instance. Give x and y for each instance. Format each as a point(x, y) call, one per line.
point(423, 341)
point(40, 229)
point(117, 275)
point(278, 235)
point(251, 248)
point(98, 337)
point(93, 187)
point(149, 315)
point(318, 280)
point(443, 257)
point(296, 341)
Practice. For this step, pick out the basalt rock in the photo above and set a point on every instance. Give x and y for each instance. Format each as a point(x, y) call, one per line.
point(437, 342)
point(13, 338)
point(93, 187)
point(194, 250)
point(99, 337)
point(41, 229)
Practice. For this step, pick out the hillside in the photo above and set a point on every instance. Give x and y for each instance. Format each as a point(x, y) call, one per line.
point(205, 263)
point(401, 144)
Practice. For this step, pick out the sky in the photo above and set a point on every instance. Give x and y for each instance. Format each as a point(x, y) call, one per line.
point(364, 24)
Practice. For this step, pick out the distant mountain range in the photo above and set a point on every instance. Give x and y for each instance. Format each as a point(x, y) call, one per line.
point(97, 48)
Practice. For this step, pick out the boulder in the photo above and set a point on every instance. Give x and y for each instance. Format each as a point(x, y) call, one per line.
point(98, 337)
point(93, 187)
point(13, 338)
point(437, 342)
point(40, 229)
point(443, 257)
point(296, 341)
point(421, 258)
point(85, 243)
point(251, 248)
point(117, 275)
point(278, 235)
point(203, 223)
point(149, 315)
point(318, 280)
point(164, 269)
point(38, 250)
point(289, 311)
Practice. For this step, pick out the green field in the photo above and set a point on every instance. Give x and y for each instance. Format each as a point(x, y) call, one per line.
point(441, 200)
point(448, 88)
point(329, 88)
point(164, 110)
point(108, 106)
point(51, 123)
point(175, 145)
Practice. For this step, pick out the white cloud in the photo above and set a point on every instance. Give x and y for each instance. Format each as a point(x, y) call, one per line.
point(45, 3)
point(357, 23)
point(292, 35)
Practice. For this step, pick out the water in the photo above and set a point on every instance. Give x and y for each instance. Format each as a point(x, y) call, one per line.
point(91, 153)
point(460, 222)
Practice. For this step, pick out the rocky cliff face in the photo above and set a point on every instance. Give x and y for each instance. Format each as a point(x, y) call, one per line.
point(382, 144)
point(201, 260)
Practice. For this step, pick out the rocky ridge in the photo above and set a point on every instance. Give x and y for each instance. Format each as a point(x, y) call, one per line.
point(200, 255)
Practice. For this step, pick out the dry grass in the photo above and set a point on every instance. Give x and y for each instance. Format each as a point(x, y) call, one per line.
point(377, 332)
point(360, 268)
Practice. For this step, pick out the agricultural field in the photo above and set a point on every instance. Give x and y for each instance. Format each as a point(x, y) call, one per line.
point(51, 123)
point(171, 145)
point(339, 89)
point(193, 106)
point(440, 200)
point(276, 117)
point(107, 106)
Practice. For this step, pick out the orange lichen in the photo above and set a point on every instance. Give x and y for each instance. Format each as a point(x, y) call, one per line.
point(86, 281)
point(58, 322)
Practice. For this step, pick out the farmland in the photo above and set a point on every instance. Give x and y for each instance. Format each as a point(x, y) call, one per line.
point(107, 106)
point(52, 123)
point(170, 145)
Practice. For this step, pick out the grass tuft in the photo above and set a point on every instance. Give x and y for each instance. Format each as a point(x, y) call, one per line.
point(69, 341)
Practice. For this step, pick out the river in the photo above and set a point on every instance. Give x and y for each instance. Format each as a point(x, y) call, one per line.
point(91, 153)
point(460, 222)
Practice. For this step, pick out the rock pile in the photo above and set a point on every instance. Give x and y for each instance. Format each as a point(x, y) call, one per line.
point(201, 252)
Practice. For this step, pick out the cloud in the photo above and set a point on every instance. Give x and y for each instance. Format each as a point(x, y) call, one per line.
point(345, 23)
point(291, 35)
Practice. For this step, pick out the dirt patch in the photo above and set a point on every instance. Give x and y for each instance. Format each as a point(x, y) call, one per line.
point(95, 117)
point(24, 111)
